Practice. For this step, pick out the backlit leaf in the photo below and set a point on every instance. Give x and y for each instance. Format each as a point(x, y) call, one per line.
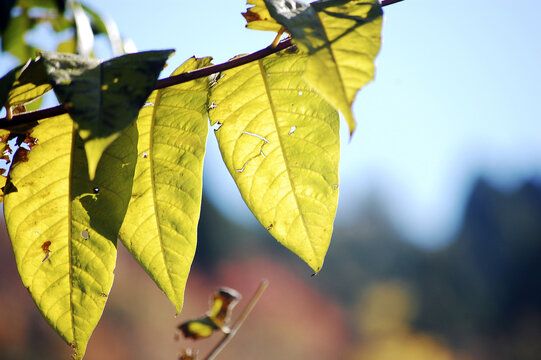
point(63, 227)
point(104, 98)
point(280, 142)
point(6, 82)
point(342, 39)
point(30, 84)
point(160, 229)
point(258, 17)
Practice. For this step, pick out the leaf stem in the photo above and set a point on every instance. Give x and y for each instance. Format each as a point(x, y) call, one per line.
point(33, 116)
point(227, 337)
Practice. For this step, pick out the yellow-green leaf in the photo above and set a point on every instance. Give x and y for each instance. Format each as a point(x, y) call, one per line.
point(258, 17)
point(342, 39)
point(27, 83)
point(104, 98)
point(160, 229)
point(280, 142)
point(63, 227)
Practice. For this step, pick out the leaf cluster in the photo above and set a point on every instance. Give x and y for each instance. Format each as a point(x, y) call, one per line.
point(124, 158)
point(77, 24)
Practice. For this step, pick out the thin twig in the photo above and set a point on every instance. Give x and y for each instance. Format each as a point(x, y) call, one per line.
point(227, 337)
point(33, 116)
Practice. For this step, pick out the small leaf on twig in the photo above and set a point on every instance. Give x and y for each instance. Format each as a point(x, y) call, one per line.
point(224, 300)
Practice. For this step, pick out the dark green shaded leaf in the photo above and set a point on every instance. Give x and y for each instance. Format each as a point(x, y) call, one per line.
point(104, 98)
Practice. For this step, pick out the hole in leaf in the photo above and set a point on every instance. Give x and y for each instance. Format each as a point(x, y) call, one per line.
point(145, 155)
point(213, 105)
point(269, 227)
point(85, 234)
point(292, 130)
point(300, 93)
point(96, 190)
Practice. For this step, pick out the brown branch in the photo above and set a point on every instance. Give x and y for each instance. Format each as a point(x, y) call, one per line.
point(33, 116)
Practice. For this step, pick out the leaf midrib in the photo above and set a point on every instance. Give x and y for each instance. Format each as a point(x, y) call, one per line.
point(153, 187)
point(280, 143)
point(70, 230)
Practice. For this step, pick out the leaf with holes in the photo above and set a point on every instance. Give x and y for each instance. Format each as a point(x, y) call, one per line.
point(63, 227)
point(280, 142)
point(160, 229)
point(342, 39)
point(103, 97)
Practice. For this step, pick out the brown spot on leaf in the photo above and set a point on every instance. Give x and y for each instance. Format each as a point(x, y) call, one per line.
point(30, 141)
point(6, 155)
point(250, 16)
point(21, 155)
point(224, 301)
point(19, 109)
point(45, 248)
point(4, 139)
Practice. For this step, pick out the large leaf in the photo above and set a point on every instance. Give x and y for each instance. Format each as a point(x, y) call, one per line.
point(280, 142)
point(104, 98)
point(160, 229)
point(63, 227)
point(342, 39)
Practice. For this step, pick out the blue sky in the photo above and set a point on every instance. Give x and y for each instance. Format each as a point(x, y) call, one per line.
point(457, 94)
